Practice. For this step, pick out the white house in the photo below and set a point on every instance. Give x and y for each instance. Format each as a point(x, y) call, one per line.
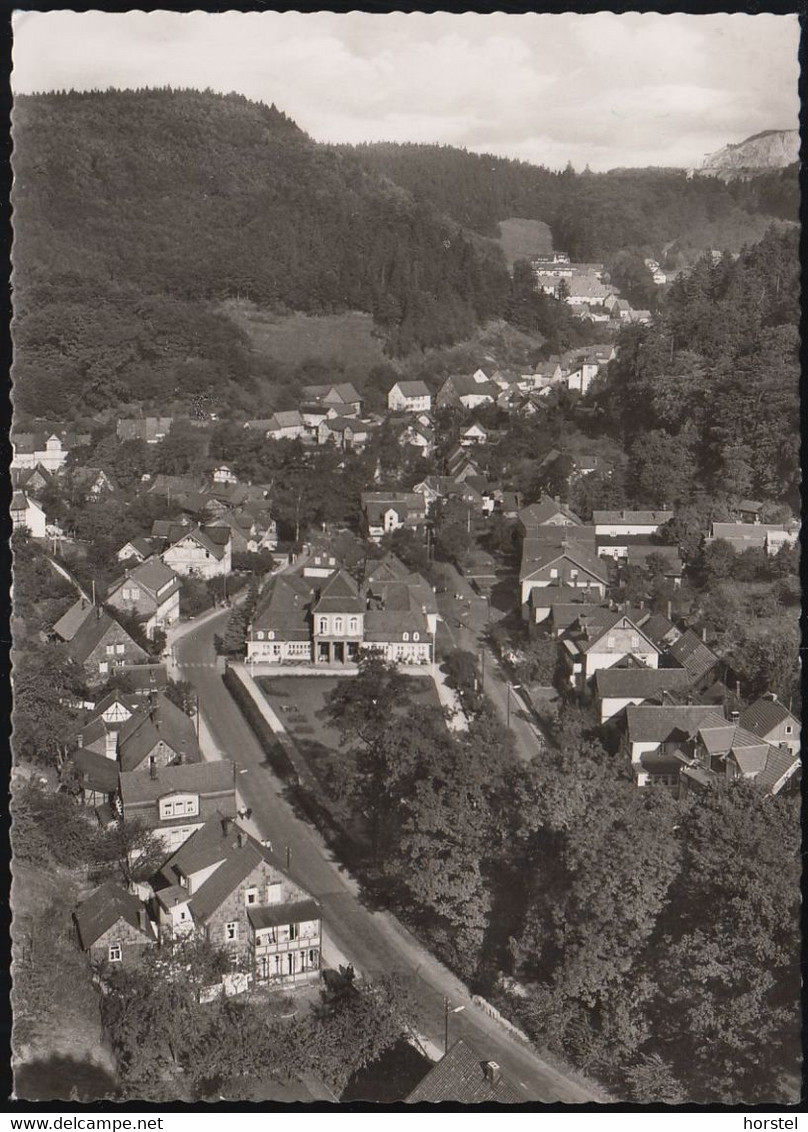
point(31, 449)
point(223, 474)
point(26, 514)
point(151, 590)
point(613, 524)
point(409, 397)
point(204, 552)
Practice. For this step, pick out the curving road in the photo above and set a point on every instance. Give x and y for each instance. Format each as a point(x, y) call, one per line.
point(373, 941)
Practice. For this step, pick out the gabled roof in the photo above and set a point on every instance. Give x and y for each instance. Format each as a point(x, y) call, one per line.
point(93, 630)
point(341, 393)
point(69, 623)
point(104, 908)
point(779, 763)
point(539, 514)
point(461, 1076)
point(691, 653)
point(657, 627)
point(385, 569)
point(289, 418)
point(538, 556)
point(193, 778)
point(151, 575)
point(95, 771)
point(412, 388)
point(159, 720)
point(599, 627)
point(391, 624)
point(764, 715)
point(210, 538)
point(285, 606)
point(658, 724)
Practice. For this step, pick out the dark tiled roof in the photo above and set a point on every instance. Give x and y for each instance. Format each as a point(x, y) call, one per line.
point(160, 720)
point(105, 907)
point(691, 653)
point(95, 771)
point(389, 625)
point(460, 1076)
point(538, 514)
point(339, 595)
point(69, 623)
point(657, 724)
point(657, 627)
point(778, 763)
point(764, 715)
point(195, 778)
point(645, 682)
point(271, 915)
point(412, 388)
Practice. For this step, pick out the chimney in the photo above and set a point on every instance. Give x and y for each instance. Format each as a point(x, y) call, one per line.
point(704, 634)
point(142, 919)
point(492, 1072)
point(226, 824)
point(734, 716)
point(241, 839)
point(110, 744)
point(738, 688)
point(770, 696)
point(670, 611)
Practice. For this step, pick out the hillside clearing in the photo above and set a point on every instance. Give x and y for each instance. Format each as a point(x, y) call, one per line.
point(521, 239)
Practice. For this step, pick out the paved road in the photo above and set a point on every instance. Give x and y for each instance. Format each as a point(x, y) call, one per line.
point(373, 941)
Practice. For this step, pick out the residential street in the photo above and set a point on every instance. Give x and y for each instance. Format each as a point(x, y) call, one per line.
point(373, 941)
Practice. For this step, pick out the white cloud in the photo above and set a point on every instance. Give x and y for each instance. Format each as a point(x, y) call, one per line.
point(604, 89)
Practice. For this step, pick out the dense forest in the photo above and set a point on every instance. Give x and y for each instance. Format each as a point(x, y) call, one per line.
point(591, 215)
point(143, 213)
point(138, 210)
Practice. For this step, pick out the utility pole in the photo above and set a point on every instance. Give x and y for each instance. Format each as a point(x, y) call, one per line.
point(508, 707)
point(447, 1010)
point(198, 716)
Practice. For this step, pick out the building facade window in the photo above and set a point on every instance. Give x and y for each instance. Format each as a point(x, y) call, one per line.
point(323, 625)
point(354, 625)
point(115, 954)
point(251, 896)
point(231, 931)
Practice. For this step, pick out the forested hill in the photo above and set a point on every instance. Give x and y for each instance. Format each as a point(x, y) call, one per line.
point(592, 215)
point(133, 207)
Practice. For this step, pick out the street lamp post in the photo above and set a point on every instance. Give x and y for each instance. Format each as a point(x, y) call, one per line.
point(447, 1010)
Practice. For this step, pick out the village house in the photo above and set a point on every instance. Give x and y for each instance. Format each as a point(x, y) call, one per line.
point(287, 424)
point(224, 474)
point(27, 515)
point(581, 374)
point(666, 559)
point(113, 926)
point(347, 433)
point(616, 687)
point(173, 802)
point(773, 722)
point(418, 436)
point(601, 639)
point(691, 652)
point(585, 287)
point(409, 397)
point(157, 735)
point(138, 549)
point(95, 760)
point(341, 397)
point(563, 561)
point(251, 530)
point(32, 481)
point(748, 511)
point(466, 391)
point(202, 552)
point(548, 512)
point(755, 536)
point(38, 448)
point(149, 591)
point(150, 429)
point(660, 740)
point(612, 524)
point(474, 434)
point(463, 1077)
point(225, 884)
point(92, 483)
point(95, 641)
point(388, 511)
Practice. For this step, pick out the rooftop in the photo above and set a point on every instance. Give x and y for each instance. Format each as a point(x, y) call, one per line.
point(104, 908)
point(465, 1078)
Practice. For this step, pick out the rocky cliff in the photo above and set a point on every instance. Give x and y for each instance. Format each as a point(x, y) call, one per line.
point(772, 149)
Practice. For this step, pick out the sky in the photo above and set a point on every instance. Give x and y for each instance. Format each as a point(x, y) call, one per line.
point(600, 89)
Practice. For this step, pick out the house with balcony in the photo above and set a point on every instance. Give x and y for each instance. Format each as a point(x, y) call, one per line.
point(235, 891)
point(32, 449)
point(175, 801)
point(149, 591)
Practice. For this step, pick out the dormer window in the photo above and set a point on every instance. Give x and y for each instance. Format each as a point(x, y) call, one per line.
point(416, 636)
point(405, 636)
point(260, 635)
point(271, 635)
